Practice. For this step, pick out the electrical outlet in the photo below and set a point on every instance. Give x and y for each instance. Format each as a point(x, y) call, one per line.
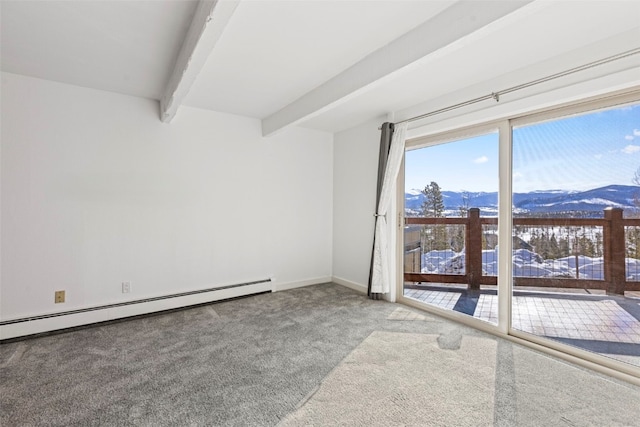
point(126, 287)
point(59, 297)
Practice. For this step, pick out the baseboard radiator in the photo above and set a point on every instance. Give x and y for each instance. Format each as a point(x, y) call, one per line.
point(31, 325)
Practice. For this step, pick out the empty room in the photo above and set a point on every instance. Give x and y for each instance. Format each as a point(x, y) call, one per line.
point(320, 212)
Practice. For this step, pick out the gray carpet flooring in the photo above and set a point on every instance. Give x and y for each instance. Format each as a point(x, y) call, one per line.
point(269, 359)
point(415, 382)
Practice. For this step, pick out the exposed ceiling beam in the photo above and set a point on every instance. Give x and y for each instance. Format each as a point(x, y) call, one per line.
point(454, 23)
point(207, 25)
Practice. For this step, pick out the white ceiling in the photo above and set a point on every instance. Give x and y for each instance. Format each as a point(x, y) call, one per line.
point(273, 55)
point(275, 51)
point(120, 46)
point(532, 43)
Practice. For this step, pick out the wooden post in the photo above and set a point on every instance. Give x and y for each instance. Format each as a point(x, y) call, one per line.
point(473, 247)
point(614, 251)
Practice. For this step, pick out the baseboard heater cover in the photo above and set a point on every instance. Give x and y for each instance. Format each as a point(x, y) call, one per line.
point(126, 303)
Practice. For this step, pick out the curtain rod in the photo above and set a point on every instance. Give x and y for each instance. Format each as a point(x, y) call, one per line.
point(496, 95)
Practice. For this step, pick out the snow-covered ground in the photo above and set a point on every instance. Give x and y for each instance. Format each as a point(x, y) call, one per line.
point(526, 264)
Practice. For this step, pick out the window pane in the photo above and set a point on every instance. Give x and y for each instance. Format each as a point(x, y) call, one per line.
point(575, 240)
point(451, 208)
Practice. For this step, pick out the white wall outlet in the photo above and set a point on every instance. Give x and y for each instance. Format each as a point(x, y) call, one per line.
point(126, 287)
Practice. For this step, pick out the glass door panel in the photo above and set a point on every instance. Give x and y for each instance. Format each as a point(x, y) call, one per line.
point(576, 236)
point(451, 220)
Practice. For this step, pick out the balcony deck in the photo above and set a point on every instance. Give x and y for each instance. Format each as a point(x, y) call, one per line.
point(591, 320)
point(592, 305)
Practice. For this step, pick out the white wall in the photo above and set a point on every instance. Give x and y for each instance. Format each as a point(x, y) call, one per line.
point(356, 160)
point(96, 191)
point(355, 164)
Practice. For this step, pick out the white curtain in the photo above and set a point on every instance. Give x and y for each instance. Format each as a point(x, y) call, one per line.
point(380, 278)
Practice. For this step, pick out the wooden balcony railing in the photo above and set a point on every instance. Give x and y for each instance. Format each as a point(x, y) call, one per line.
point(613, 252)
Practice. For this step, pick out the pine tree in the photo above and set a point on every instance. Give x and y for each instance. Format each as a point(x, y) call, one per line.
point(433, 205)
point(564, 249)
point(598, 249)
point(457, 237)
point(434, 237)
point(585, 244)
point(554, 248)
point(633, 242)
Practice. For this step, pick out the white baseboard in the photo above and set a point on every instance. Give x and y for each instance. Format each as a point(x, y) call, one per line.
point(351, 285)
point(49, 324)
point(30, 327)
point(276, 287)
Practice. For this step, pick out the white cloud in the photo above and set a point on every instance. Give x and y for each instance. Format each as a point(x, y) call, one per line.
point(517, 176)
point(636, 132)
point(629, 137)
point(630, 149)
point(482, 159)
point(598, 156)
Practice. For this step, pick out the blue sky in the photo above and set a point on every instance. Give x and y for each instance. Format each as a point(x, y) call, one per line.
point(575, 153)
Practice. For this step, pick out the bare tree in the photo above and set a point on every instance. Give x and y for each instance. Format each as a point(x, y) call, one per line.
point(465, 203)
point(636, 197)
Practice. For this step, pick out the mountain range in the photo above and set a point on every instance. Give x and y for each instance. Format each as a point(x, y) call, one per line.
point(589, 202)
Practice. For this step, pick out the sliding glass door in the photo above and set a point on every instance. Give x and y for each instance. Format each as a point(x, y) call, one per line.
point(450, 233)
point(576, 258)
point(530, 227)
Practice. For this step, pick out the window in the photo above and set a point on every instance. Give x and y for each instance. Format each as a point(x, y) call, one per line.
point(550, 253)
point(575, 192)
point(451, 217)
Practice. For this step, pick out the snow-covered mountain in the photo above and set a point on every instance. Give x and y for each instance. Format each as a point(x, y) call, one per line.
point(552, 201)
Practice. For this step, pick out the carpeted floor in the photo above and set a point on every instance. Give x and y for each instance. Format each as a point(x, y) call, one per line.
point(415, 382)
point(321, 355)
